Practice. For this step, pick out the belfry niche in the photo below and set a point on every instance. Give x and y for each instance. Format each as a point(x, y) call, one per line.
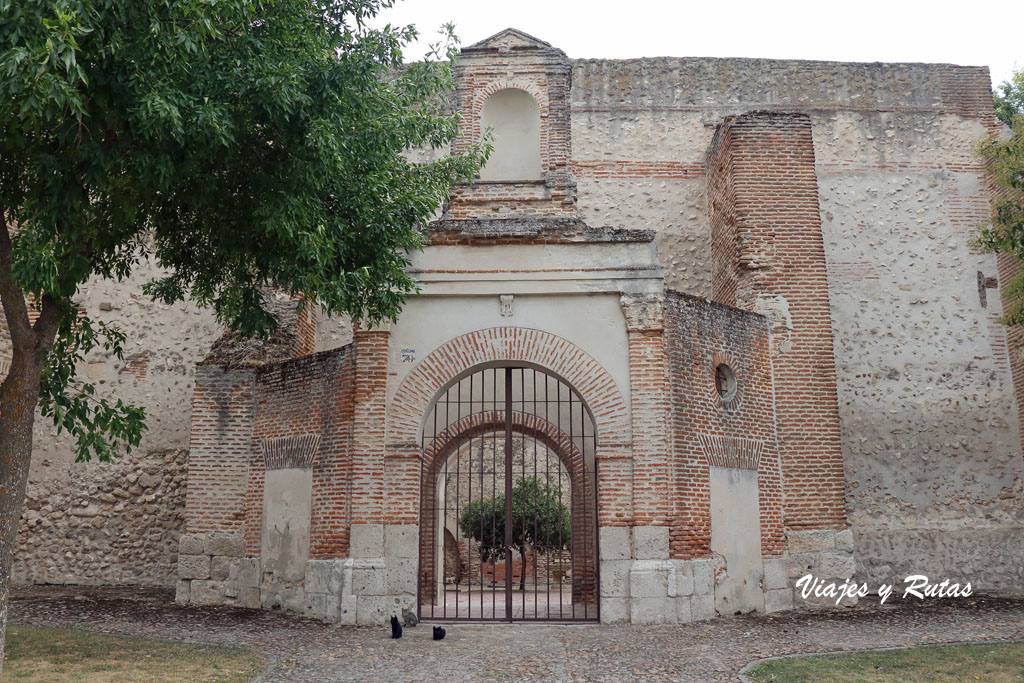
point(546, 433)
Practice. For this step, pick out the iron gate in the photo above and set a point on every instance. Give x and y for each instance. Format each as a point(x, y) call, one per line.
point(508, 522)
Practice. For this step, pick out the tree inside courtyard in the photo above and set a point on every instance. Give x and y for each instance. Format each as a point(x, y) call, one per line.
point(540, 522)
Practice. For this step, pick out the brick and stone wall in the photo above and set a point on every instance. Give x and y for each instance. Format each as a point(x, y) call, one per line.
point(929, 414)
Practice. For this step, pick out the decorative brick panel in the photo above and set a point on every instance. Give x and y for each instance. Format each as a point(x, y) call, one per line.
point(766, 240)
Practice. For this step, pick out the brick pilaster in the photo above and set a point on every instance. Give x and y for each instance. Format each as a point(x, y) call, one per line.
point(648, 379)
point(368, 425)
point(767, 250)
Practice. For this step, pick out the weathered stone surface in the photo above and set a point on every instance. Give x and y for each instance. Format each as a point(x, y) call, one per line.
point(220, 568)
point(702, 607)
point(367, 540)
point(778, 600)
point(812, 540)
point(615, 543)
point(684, 578)
point(684, 614)
point(652, 611)
point(207, 592)
point(368, 578)
point(615, 579)
point(324, 576)
point(401, 540)
point(401, 576)
point(703, 577)
point(776, 575)
point(835, 565)
point(650, 542)
point(844, 540)
point(650, 579)
point(182, 591)
point(190, 544)
point(194, 566)
point(614, 610)
point(228, 545)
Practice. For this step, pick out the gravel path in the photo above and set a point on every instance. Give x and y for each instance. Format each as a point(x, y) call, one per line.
point(305, 650)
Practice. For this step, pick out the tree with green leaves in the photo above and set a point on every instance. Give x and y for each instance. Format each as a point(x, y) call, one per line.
point(1009, 98)
point(1004, 157)
point(239, 144)
point(540, 521)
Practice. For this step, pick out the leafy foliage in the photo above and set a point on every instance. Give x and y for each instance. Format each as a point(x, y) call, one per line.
point(539, 520)
point(1009, 98)
point(238, 143)
point(1005, 232)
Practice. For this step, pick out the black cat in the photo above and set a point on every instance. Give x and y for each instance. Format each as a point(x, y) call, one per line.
point(438, 633)
point(396, 628)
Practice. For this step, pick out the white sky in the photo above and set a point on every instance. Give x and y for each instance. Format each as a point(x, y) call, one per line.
point(985, 32)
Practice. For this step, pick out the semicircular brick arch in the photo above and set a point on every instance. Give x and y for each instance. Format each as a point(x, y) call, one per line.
point(554, 354)
point(581, 492)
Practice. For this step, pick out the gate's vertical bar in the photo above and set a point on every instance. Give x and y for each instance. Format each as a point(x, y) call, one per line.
point(508, 494)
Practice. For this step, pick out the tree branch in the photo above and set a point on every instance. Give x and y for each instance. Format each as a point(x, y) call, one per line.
point(11, 297)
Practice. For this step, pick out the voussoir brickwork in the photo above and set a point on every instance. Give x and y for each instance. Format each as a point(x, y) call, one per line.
point(508, 345)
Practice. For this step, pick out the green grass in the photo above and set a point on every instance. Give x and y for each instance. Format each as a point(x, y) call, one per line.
point(50, 654)
point(997, 662)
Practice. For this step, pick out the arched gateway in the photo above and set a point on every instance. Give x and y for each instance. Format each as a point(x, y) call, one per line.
point(508, 470)
point(544, 413)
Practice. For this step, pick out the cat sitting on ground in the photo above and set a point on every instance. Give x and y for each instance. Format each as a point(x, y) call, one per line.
point(396, 628)
point(438, 633)
point(410, 618)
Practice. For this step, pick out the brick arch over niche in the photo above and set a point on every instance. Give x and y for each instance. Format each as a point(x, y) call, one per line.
point(552, 353)
point(582, 498)
point(472, 126)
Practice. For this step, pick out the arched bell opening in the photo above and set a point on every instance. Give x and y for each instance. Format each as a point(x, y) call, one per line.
point(508, 478)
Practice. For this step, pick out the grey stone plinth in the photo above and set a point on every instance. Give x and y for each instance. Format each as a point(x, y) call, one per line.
point(614, 610)
point(401, 576)
point(220, 567)
point(228, 545)
point(615, 543)
point(836, 565)
point(367, 540)
point(778, 600)
point(401, 541)
point(615, 579)
point(811, 540)
point(684, 578)
point(702, 607)
point(650, 542)
point(844, 540)
point(652, 611)
point(651, 579)
point(368, 577)
point(684, 613)
point(207, 592)
point(182, 592)
point(194, 566)
point(775, 575)
point(190, 544)
point(703, 578)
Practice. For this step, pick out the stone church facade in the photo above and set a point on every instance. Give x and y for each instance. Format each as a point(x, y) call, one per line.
point(751, 279)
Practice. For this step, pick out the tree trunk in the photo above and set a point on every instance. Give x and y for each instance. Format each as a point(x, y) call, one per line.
point(19, 395)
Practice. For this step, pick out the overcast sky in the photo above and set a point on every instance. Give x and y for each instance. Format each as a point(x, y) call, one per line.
point(985, 33)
